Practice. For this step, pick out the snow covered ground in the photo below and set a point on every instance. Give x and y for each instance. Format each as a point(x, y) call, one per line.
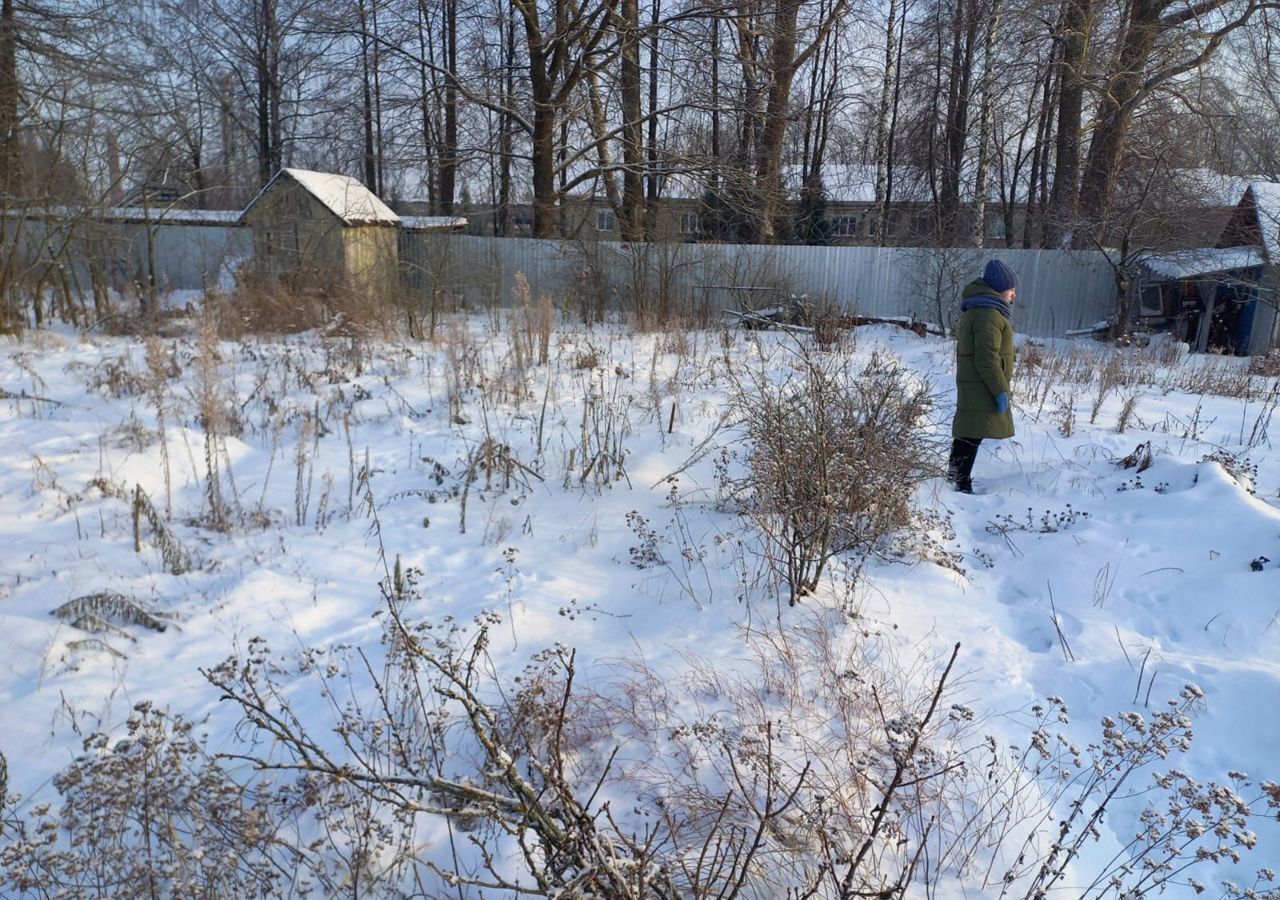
point(1066, 575)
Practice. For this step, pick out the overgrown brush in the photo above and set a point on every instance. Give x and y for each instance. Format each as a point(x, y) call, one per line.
point(303, 300)
point(823, 766)
point(150, 814)
point(832, 460)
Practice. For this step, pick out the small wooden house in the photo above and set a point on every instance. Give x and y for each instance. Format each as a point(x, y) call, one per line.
point(1223, 299)
point(324, 229)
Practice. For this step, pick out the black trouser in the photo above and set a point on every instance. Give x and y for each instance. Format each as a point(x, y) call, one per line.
point(960, 466)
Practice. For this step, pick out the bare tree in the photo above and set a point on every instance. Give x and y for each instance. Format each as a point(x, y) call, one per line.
point(1159, 41)
point(9, 155)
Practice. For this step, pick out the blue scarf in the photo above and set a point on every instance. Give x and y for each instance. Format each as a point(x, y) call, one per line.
point(986, 301)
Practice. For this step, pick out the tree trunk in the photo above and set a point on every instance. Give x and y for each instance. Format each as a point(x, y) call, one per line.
point(1115, 113)
point(964, 36)
point(505, 227)
point(10, 157)
point(715, 96)
point(631, 222)
point(1039, 159)
point(544, 170)
point(426, 87)
point(651, 189)
point(379, 145)
point(262, 64)
point(782, 46)
point(600, 131)
point(275, 89)
point(449, 149)
point(783, 62)
point(1130, 82)
point(882, 225)
point(557, 63)
point(882, 123)
point(1076, 22)
point(987, 121)
point(366, 103)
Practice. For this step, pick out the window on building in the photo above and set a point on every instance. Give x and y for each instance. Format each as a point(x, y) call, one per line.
point(691, 223)
point(605, 220)
point(995, 227)
point(844, 226)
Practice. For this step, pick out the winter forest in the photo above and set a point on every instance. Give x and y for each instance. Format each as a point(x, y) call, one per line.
point(1073, 121)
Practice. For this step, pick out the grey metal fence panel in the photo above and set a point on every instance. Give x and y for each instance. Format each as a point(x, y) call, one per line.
point(190, 257)
point(1059, 290)
point(186, 256)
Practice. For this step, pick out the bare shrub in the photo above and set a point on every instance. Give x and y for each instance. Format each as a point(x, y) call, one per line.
point(150, 815)
point(161, 366)
point(1266, 364)
point(586, 358)
point(823, 766)
point(1183, 822)
point(517, 767)
point(1065, 415)
point(1218, 377)
point(177, 559)
point(304, 300)
point(1237, 465)
point(530, 325)
point(118, 377)
point(830, 330)
point(832, 460)
point(628, 791)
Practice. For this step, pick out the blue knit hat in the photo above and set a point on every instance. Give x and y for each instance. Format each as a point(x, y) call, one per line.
point(999, 276)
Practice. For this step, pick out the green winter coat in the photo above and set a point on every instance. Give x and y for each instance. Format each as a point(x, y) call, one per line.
point(984, 368)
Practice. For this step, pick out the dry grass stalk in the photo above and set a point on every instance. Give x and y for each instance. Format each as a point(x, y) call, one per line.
point(161, 366)
point(212, 409)
point(108, 611)
point(176, 557)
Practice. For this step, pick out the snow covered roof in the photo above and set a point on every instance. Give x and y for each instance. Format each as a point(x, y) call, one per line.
point(433, 223)
point(1210, 187)
point(342, 195)
point(155, 215)
point(1266, 199)
point(1206, 261)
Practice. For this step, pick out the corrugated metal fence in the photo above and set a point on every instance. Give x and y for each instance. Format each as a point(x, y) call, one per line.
point(187, 256)
point(1060, 290)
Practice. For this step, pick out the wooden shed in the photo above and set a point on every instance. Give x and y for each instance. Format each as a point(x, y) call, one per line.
point(324, 229)
point(1223, 299)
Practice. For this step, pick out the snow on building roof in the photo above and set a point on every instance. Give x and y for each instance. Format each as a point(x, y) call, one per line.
point(1266, 199)
point(131, 215)
point(1210, 187)
point(433, 223)
point(342, 195)
point(1181, 264)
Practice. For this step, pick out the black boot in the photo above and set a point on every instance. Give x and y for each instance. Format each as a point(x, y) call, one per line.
point(964, 451)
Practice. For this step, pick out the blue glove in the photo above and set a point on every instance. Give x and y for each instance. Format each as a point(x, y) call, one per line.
point(1002, 403)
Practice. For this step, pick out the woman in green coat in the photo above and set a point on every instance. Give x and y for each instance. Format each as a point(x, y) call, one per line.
point(984, 368)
